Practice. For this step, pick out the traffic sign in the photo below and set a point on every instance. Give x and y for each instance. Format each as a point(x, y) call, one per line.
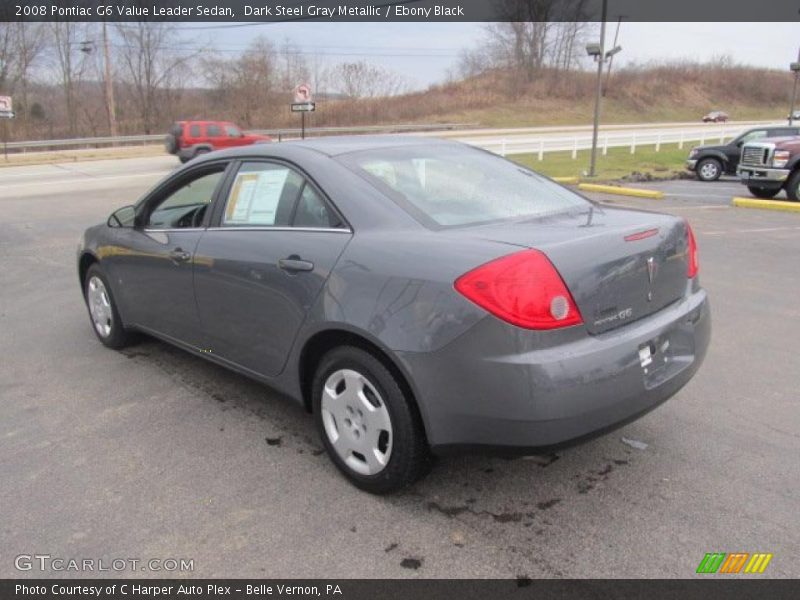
point(304, 107)
point(5, 104)
point(302, 93)
point(7, 114)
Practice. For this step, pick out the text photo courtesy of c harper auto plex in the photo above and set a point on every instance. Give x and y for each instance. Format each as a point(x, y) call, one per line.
point(414, 299)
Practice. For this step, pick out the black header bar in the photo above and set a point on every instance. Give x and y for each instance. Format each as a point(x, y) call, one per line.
point(236, 12)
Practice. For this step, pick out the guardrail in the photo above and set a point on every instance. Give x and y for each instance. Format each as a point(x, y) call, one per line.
point(540, 145)
point(278, 134)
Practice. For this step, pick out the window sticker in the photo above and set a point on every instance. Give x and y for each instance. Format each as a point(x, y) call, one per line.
point(254, 197)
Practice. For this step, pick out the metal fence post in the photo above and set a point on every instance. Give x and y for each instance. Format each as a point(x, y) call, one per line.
point(605, 146)
point(680, 144)
point(503, 147)
point(541, 150)
point(574, 148)
point(658, 143)
point(633, 144)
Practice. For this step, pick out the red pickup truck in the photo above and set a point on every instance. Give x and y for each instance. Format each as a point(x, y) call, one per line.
point(187, 139)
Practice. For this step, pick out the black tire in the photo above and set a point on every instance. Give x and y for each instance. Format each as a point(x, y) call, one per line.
point(171, 143)
point(409, 459)
point(117, 337)
point(708, 169)
point(793, 186)
point(760, 192)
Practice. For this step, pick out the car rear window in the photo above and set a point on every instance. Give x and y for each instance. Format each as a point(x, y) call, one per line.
point(194, 131)
point(449, 186)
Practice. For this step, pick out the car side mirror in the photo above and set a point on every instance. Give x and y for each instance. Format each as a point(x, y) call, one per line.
point(123, 217)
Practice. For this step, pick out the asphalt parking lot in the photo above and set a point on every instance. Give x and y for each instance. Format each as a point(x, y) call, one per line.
point(152, 453)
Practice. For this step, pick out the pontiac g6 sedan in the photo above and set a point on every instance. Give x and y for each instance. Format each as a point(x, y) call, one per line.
point(416, 296)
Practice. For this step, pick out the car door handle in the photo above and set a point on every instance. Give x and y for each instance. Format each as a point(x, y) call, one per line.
point(178, 255)
point(293, 264)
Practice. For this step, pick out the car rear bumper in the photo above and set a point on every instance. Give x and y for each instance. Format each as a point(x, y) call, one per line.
point(501, 388)
point(762, 176)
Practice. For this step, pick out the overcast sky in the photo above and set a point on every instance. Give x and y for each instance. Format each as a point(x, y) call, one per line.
point(422, 52)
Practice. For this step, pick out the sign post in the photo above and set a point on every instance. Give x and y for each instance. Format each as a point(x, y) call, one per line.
point(6, 114)
point(303, 104)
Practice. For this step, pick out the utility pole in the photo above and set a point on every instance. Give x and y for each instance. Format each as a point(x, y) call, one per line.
point(600, 59)
point(110, 106)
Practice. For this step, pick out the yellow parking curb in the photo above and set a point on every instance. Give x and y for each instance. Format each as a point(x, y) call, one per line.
point(567, 180)
point(622, 191)
point(767, 204)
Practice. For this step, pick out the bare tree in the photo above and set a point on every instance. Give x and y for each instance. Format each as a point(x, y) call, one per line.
point(155, 65)
point(537, 34)
point(245, 84)
point(20, 45)
point(364, 80)
point(70, 58)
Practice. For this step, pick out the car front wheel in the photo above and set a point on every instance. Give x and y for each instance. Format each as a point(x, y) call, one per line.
point(708, 169)
point(369, 426)
point(103, 311)
point(760, 192)
point(793, 187)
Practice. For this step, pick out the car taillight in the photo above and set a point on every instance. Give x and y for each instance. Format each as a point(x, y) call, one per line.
point(524, 289)
point(694, 265)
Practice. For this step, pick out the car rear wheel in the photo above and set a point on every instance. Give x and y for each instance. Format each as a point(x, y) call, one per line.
point(708, 169)
point(793, 187)
point(103, 311)
point(370, 428)
point(760, 192)
point(171, 143)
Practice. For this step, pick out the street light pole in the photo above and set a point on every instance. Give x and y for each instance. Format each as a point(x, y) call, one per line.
point(611, 60)
point(600, 59)
point(795, 68)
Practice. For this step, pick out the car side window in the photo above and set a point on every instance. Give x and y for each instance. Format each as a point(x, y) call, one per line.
point(213, 130)
point(313, 211)
point(753, 135)
point(262, 195)
point(194, 131)
point(185, 206)
point(785, 131)
point(232, 131)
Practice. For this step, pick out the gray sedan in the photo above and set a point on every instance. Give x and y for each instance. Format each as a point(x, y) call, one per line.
point(416, 296)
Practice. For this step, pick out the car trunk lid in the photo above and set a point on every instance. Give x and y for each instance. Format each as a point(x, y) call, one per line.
point(619, 265)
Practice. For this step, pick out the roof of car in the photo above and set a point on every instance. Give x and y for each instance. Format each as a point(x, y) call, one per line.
point(335, 145)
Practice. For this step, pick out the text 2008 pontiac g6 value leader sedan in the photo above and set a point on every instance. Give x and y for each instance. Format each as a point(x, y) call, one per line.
point(414, 295)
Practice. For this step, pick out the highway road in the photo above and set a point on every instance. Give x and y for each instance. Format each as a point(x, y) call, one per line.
point(98, 174)
point(152, 453)
point(524, 139)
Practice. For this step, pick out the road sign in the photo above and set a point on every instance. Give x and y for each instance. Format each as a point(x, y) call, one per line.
point(304, 107)
point(5, 104)
point(302, 94)
point(7, 114)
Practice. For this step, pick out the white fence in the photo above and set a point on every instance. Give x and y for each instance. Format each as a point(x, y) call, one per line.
point(540, 145)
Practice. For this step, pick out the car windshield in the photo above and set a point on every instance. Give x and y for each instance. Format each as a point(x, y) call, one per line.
point(454, 186)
